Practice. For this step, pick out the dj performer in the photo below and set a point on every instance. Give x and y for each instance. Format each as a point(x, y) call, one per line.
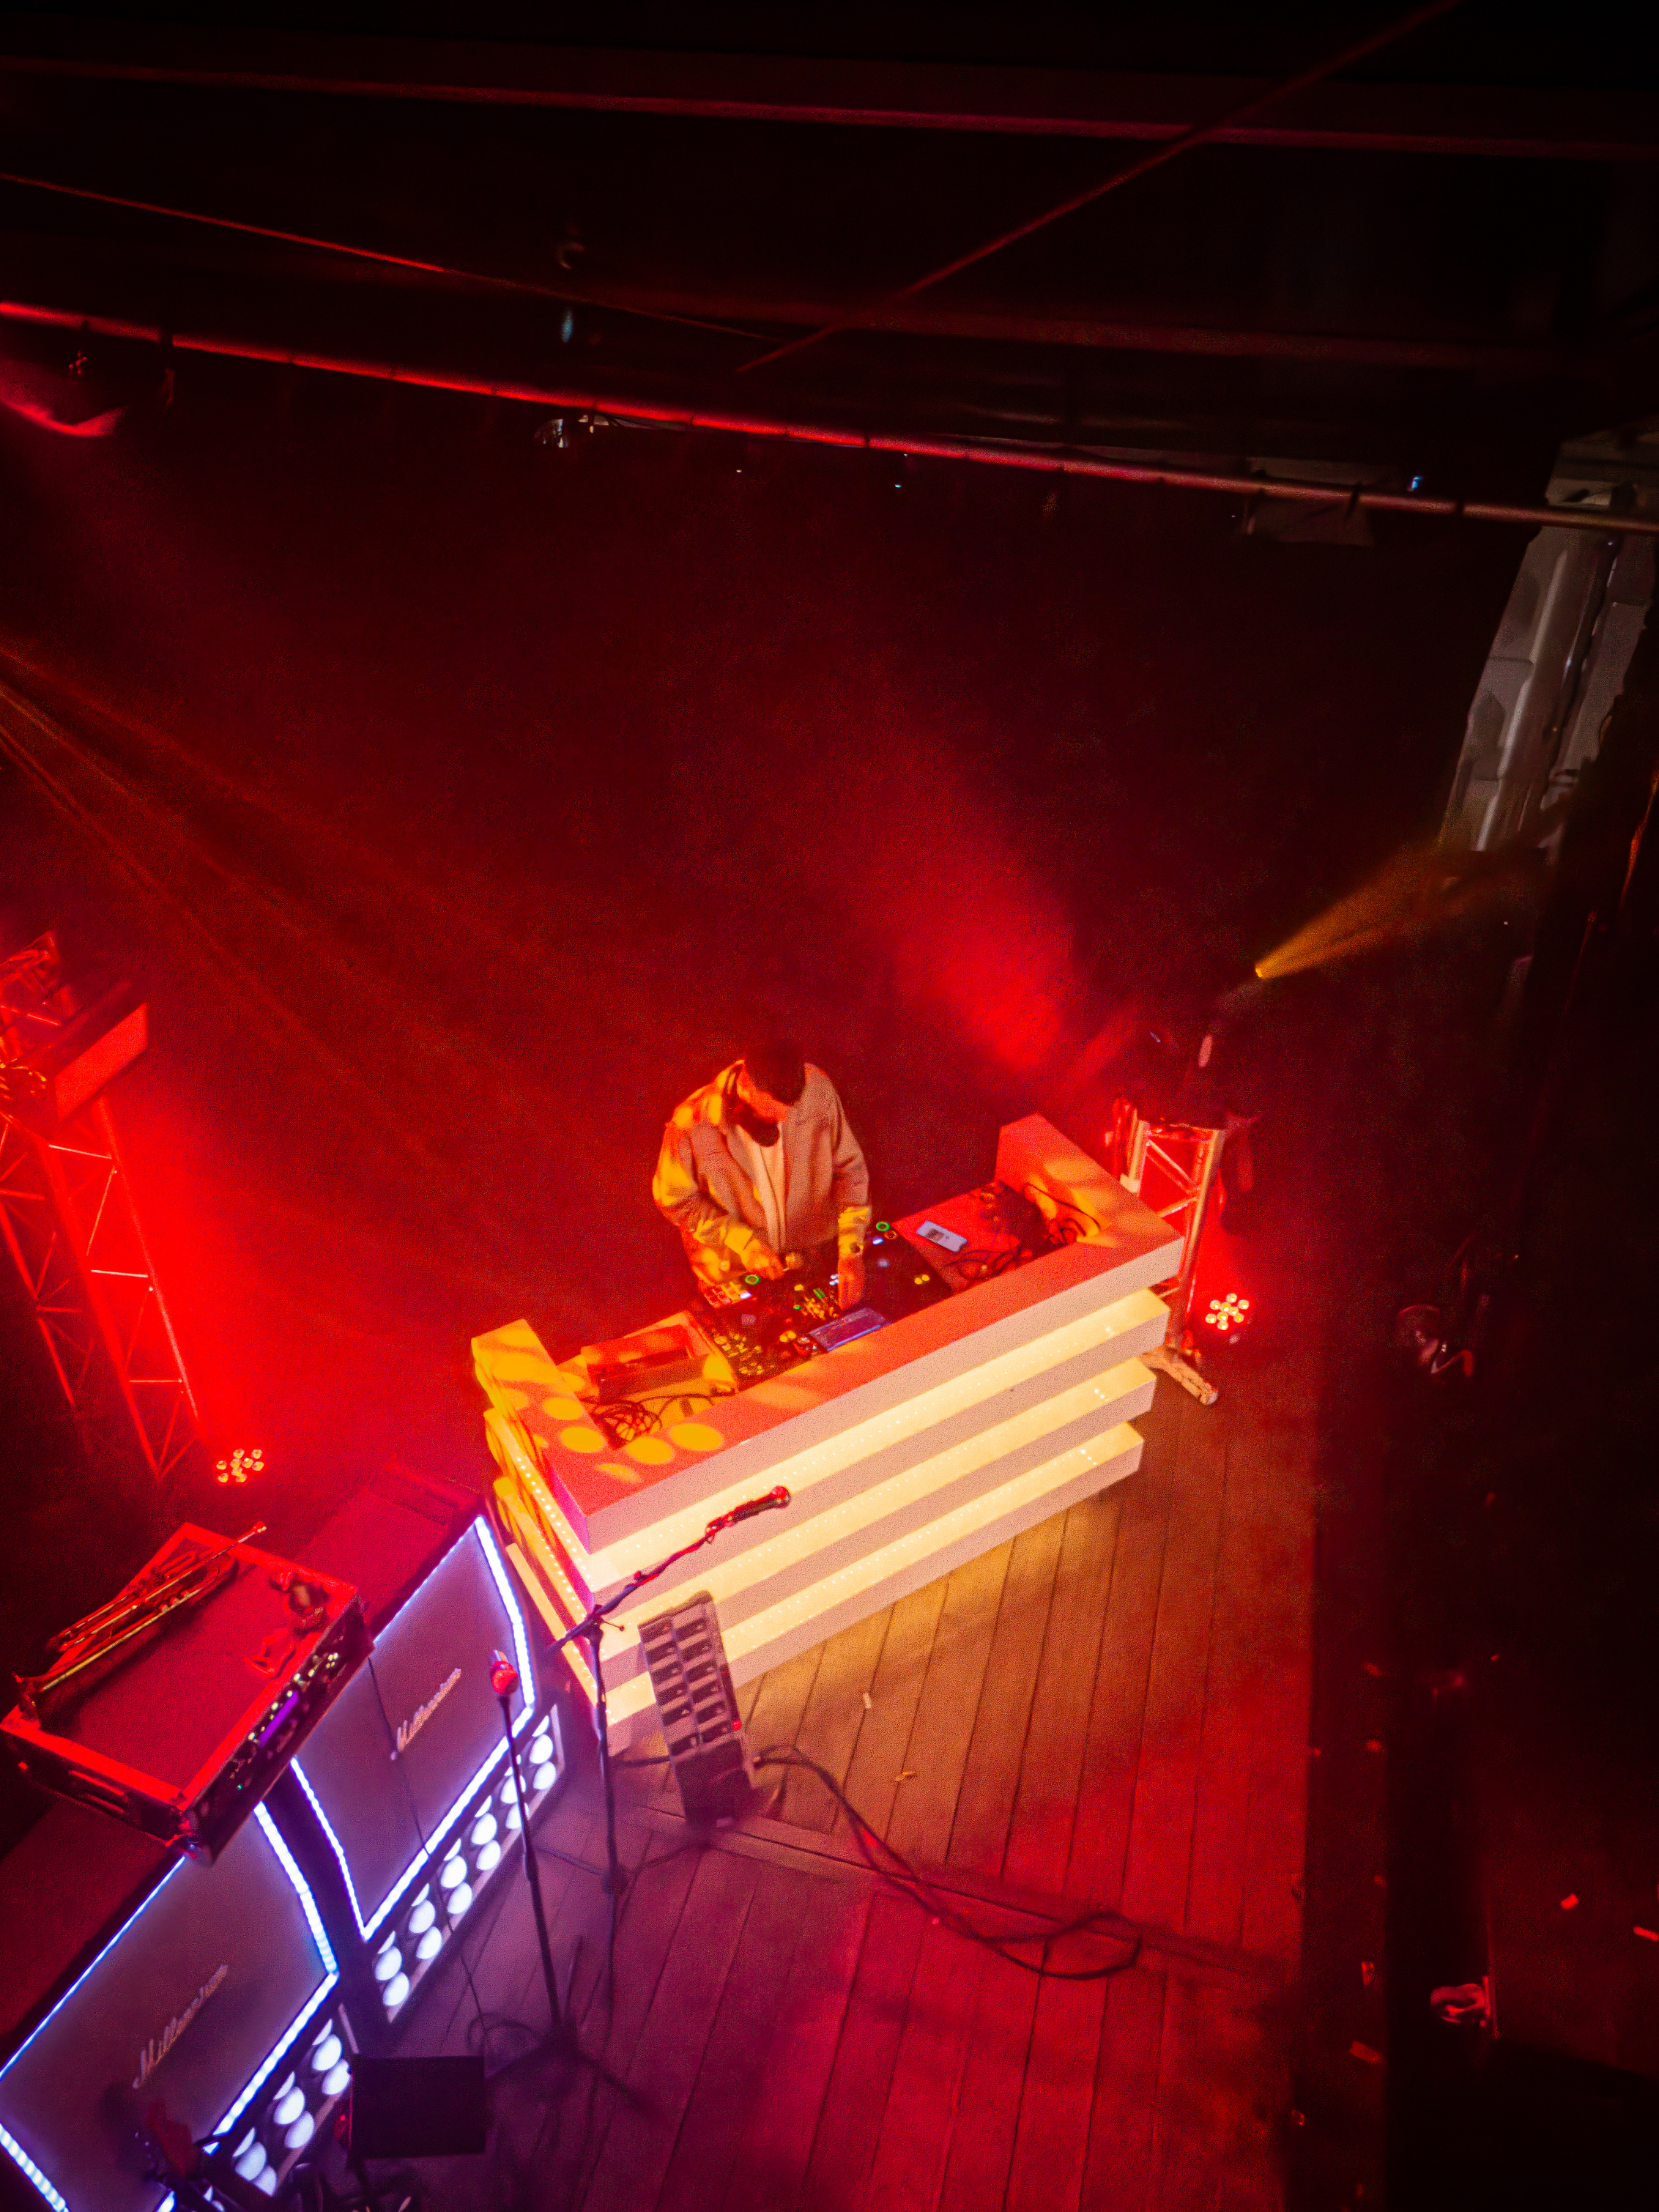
point(761, 1173)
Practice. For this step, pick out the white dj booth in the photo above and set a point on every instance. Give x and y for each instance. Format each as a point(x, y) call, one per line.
point(905, 1452)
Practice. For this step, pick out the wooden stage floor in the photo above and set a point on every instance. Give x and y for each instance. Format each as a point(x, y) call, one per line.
point(1109, 1714)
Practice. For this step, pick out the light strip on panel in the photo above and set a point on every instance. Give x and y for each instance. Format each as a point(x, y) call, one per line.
point(302, 1887)
point(632, 1696)
point(18, 2152)
point(304, 1781)
point(614, 1562)
point(550, 1558)
point(527, 1678)
point(520, 1637)
point(13, 2146)
point(280, 2049)
point(727, 1578)
point(425, 1857)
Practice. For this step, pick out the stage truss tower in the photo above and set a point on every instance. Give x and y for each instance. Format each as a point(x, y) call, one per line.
point(70, 1223)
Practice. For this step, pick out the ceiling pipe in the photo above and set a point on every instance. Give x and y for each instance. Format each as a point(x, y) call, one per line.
point(1512, 122)
point(672, 416)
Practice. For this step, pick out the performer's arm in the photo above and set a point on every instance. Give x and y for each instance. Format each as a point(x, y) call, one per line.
point(850, 1189)
point(681, 1197)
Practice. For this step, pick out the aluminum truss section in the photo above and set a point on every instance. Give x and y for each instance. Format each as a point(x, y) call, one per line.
point(1170, 1166)
point(69, 1221)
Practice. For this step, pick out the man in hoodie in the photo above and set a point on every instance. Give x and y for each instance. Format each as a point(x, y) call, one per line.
point(759, 1172)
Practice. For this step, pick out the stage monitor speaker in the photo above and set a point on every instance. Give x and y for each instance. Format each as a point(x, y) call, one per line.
point(406, 1776)
point(214, 1997)
point(416, 2108)
point(389, 1534)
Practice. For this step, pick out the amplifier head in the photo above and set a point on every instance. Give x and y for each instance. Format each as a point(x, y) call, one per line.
point(198, 2001)
point(413, 1737)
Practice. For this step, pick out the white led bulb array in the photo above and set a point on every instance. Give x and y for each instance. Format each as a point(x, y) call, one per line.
point(436, 1910)
point(299, 2104)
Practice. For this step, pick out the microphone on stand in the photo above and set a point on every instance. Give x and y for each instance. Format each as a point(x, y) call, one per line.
point(748, 1509)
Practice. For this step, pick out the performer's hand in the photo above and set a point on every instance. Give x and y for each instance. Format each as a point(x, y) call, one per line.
point(850, 1280)
point(764, 1261)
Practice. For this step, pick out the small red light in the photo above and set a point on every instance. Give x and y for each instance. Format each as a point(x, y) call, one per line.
point(242, 1463)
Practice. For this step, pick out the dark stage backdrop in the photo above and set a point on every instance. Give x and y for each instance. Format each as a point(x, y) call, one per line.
point(485, 794)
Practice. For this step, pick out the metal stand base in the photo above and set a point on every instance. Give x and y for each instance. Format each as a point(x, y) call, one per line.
point(1181, 1370)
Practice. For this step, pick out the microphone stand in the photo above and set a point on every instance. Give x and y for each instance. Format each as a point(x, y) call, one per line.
point(590, 1629)
point(562, 2041)
point(504, 1681)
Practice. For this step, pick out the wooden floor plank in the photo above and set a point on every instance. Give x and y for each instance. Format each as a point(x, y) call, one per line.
point(878, 1756)
point(1277, 1495)
point(1217, 2096)
point(1117, 2170)
point(947, 1707)
point(584, 1959)
point(833, 1715)
point(1052, 2144)
point(985, 1805)
point(1105, 1807)
point(768, 2172)
point(988, 2109)
point(1159, 1863)
point(1276, 1845)
point(552, 2144)
point(849, 2124)
point(739, 2061)
point(1112, 1708)
point(497, 1943)
point(780, 1699)
point(612, 2009)
point(633, 2156)
point(1045, 1805)
point(1239, 1695)
point(908, 2168)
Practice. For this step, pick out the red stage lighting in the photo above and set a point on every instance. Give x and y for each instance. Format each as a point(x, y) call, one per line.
point(1227, 1317)
point(241, 1465)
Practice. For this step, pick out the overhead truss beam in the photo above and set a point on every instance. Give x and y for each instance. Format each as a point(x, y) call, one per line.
point(1497, 122)
point(590, 402)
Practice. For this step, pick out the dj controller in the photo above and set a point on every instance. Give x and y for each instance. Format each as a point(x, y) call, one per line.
point(764, 1328)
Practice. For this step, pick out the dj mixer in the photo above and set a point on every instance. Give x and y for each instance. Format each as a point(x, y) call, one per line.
point(764, 1328)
